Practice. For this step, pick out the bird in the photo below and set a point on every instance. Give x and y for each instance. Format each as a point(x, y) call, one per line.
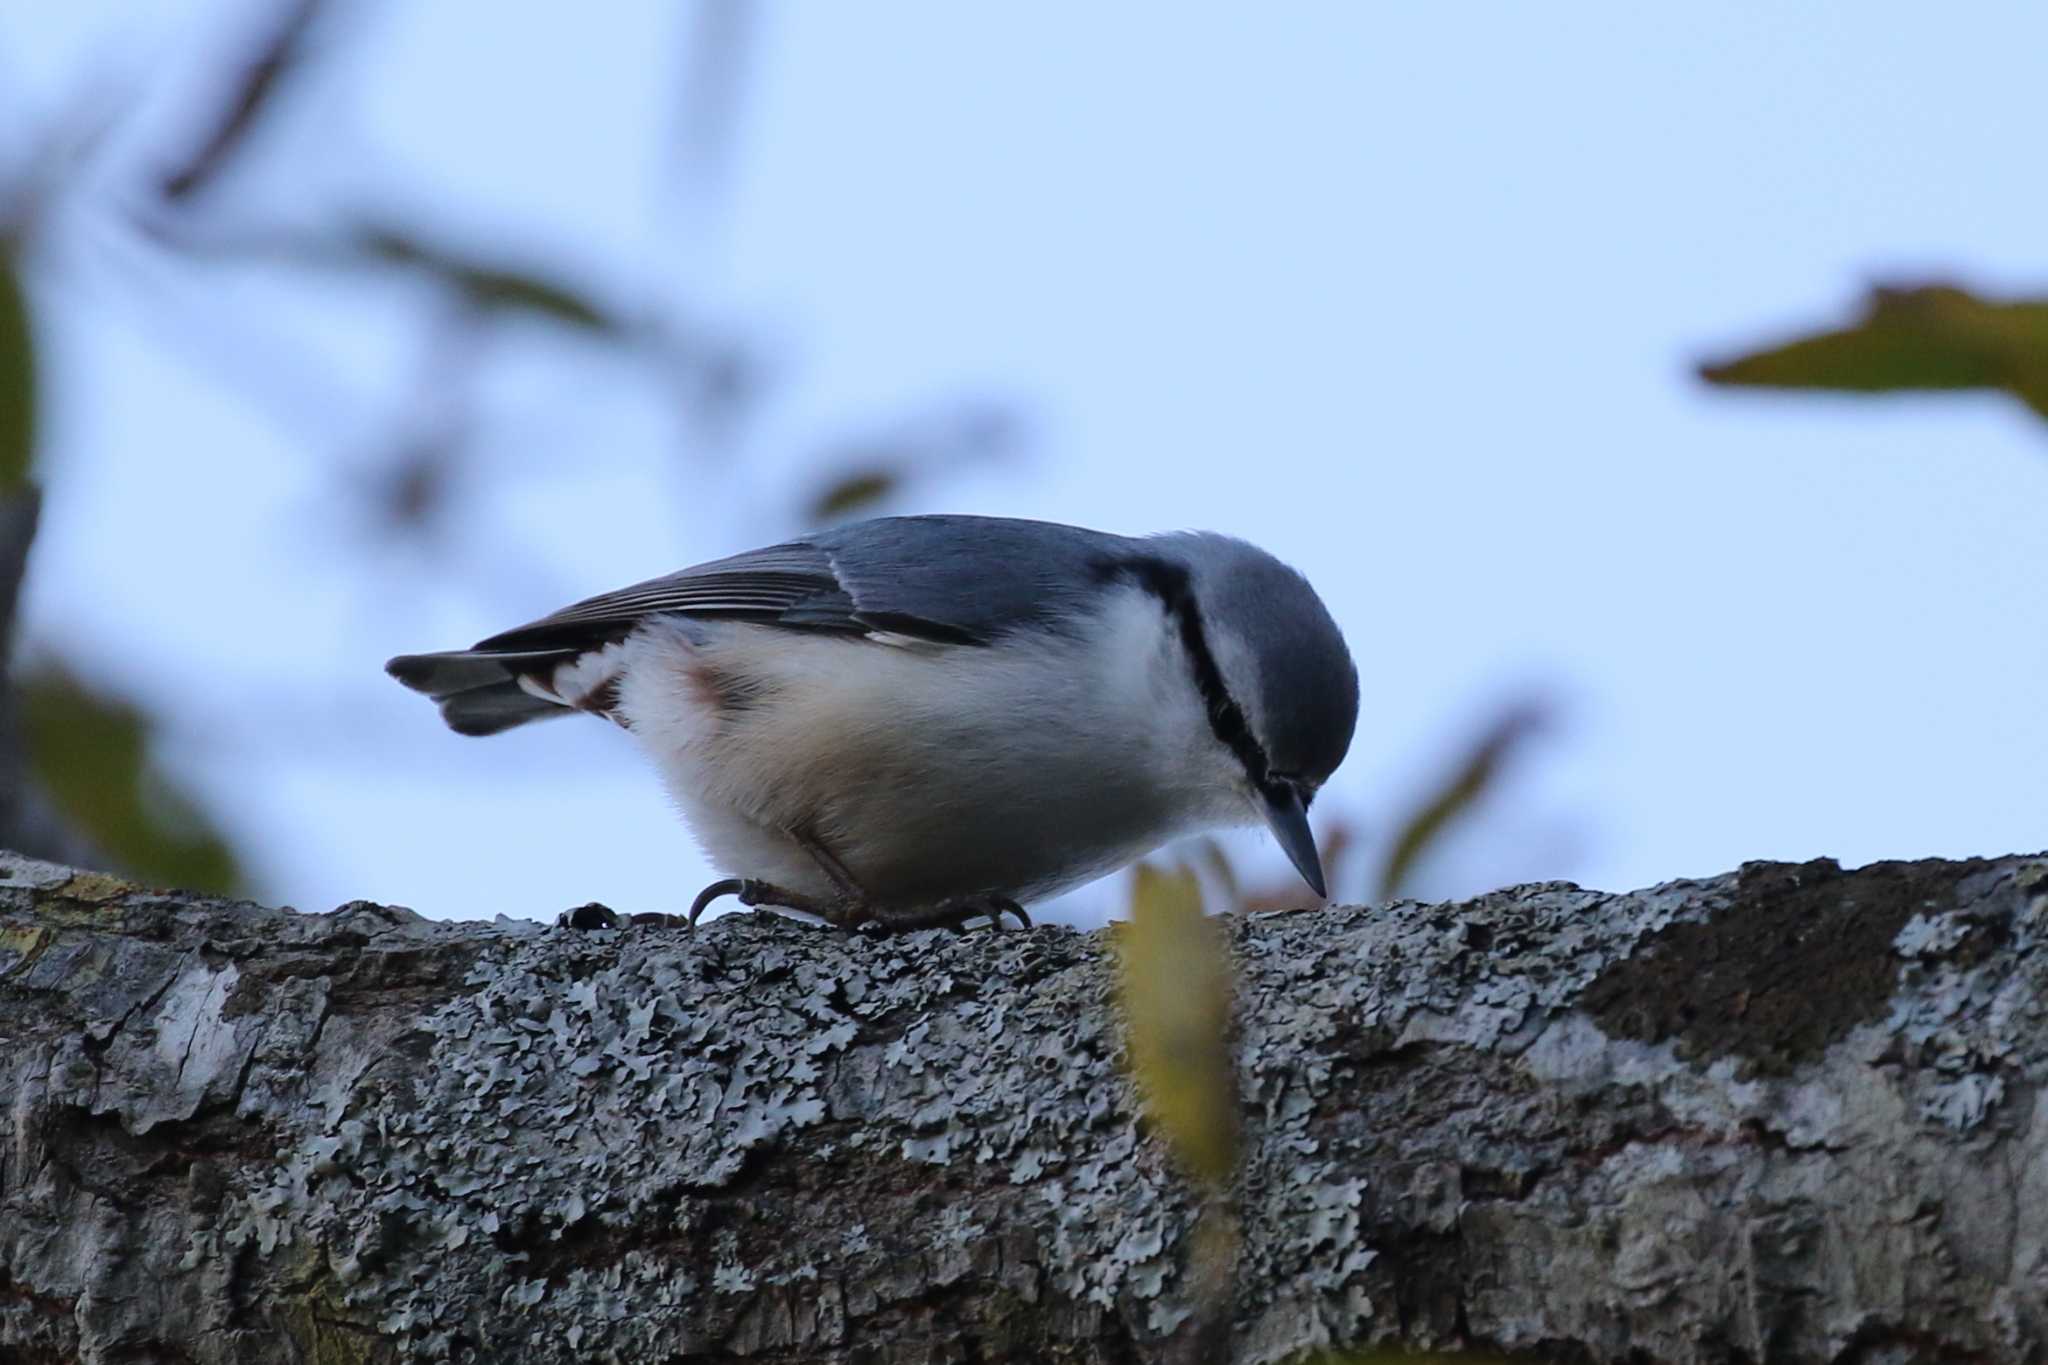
point(922, 721)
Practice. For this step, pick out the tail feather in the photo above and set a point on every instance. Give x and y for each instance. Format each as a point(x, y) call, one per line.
point(501, 706)
point(480, 692)
point(460, 670)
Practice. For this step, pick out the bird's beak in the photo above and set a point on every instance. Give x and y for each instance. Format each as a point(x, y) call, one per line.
point(1287, 817)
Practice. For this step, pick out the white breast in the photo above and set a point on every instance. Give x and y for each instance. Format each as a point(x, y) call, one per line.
point(931, 771)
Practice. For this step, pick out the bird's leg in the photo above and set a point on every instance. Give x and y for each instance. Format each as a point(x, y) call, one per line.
point(841, 911)
point(851, 908)
point(854, 910)
point(828, 863)
point(1003, 905)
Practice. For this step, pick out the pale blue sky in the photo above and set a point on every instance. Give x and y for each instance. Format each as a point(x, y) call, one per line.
point(1407, 294)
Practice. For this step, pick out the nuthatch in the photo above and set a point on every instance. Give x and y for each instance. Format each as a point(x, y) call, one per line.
point(924, 720)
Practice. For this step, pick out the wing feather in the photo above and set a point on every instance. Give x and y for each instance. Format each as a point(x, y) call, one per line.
point(953, 580)
point(762, 585)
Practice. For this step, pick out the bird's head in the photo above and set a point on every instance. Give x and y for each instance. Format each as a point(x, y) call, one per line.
point(1282, 690)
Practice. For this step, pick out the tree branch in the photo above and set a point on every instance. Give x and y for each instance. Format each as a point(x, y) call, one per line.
point(1791, 1113)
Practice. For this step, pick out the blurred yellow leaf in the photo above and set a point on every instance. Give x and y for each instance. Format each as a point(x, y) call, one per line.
point(1176, 994)
point(90, 753)
point(17, 378)
point(1465, 784)
point(1933, 337)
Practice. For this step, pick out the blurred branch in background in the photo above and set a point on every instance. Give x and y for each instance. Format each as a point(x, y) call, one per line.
point(873, 470)
point(1470, 778)
point(1341, 838)
point(168, 221)
point(248, 98)
point(1476, 771)
point(177, 229)
point(718, 55)
point(1911, 339)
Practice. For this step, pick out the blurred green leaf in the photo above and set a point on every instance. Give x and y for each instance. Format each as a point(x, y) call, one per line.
point(1930, 338)
point(1175, 977)
point(17, 378)
point(854, 492)
point(90, 752)
point(1467, 781)
point(489, 287)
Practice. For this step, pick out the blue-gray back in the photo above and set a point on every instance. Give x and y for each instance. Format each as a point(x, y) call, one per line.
point(958, 579)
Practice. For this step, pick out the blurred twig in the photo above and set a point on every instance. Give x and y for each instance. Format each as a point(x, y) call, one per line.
point(250, 97)
point(720, 46)
point(486, 285)
point(173, 240)
point(874, 468)
point(410, 491)
point(1466, 782)
point(1340, 843)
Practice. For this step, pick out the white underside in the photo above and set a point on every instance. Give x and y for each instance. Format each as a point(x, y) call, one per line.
point(930, 771)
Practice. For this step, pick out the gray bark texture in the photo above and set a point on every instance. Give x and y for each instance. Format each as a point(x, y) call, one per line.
point(1791, 1113)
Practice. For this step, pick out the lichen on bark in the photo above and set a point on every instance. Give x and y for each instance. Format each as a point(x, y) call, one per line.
point(1790, 1113)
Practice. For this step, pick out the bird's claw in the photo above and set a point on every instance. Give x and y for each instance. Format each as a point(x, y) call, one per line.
point(992, 909)
point(747, 891)
point(858, 917)
point(951, 914)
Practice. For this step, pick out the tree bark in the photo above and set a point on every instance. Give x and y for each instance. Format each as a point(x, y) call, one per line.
point(1791, 1113)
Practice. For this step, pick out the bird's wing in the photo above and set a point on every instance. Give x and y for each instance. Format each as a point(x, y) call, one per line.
point(789, 584)
point(943, 579)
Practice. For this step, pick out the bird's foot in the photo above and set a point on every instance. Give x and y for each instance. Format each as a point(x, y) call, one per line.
point(849, 912)
point(955, 914)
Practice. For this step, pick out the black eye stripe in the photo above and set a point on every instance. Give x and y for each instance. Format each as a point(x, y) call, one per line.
point(1169, 583)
